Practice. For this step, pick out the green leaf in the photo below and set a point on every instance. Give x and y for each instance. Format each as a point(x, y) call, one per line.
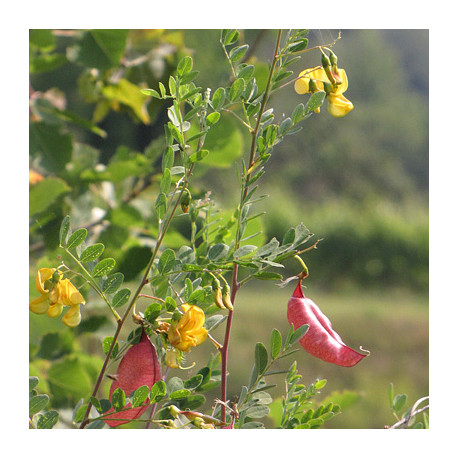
point(212, 118)
point(399, 402)
point(262, 275)
point(299, 333)
point(96, 403)
point(118, 399)
point(152, 312)
point(219, 98)
point(302, 234)
point(298, 113)
point(158, 391)
point(103, 267)
point(45, 193)
point(184, 66)
point(236, 90)
point(33, 382)
point(257, 411)
point(112, 283)
point(260, 357)
point(244, 250)
point(63, 231)
point(79, 411)
point(37, 403)
point(253, 425)
point(77, 238)
point(140, 395)
point(275, 343)
point(106, 345)
point(320, 384)
point(192, 402)
point(199, 155)
point(289, 236)
point(194, 382)
point(168, 158)
point(120, 298)
point(161, 205)
point(166, 261)
point(101, 49)
point(151, 92)
point(315, 101)
point(92, 253)
point(238, 52)
point(47, 420)
point(96, 424)
point(179, 394)
point(166, 180)
point(268, 248)
point(229, 36)
point(218, 251)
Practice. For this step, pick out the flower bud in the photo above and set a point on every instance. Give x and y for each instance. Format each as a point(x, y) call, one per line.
point(57, 276)
point(227, 297)
point(326, 63)
point(185, 200)
point(217, 296)
point(174, 411)
point(312, 86)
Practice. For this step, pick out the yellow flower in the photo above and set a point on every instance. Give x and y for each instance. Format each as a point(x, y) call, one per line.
point(189, 331)
point(73, 316)
point(338, 105)
point(49, 291)
point(54, 294)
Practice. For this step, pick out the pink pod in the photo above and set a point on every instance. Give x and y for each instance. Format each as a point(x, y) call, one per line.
point(320, 340)
point(139, 366)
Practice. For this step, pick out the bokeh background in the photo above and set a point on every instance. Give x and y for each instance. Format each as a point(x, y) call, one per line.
point(360, 183)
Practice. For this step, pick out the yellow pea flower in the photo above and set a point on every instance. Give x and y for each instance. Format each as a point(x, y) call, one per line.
point(338, 105)
point(189, 331)
point(54, 294)
point(73, 316)
point(48, 289)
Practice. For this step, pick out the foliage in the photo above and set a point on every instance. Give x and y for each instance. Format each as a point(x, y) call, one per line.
point(408, 417)
point(37, 403)
point(143, 240)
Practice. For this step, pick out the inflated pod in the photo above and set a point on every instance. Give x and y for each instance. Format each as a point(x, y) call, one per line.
point(139, 366)
point(320, 340)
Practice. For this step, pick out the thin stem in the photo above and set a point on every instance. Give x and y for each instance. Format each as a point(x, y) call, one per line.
point(95, 287)
point(235, 285)
point(143, 282)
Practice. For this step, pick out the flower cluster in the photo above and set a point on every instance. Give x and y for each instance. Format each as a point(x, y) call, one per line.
point(332, 80)
point(55, 292)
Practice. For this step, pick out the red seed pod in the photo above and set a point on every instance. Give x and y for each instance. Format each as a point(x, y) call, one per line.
point(320, 340)
point(139, 366)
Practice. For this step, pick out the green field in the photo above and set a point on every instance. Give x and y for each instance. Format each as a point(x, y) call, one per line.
point(393, 325)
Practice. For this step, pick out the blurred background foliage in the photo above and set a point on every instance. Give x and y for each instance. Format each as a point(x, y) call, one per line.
point(359, 183)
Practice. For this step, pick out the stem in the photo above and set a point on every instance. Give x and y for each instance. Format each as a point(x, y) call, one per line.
point(95, 286)
point(235, 285)
point(132, 302)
